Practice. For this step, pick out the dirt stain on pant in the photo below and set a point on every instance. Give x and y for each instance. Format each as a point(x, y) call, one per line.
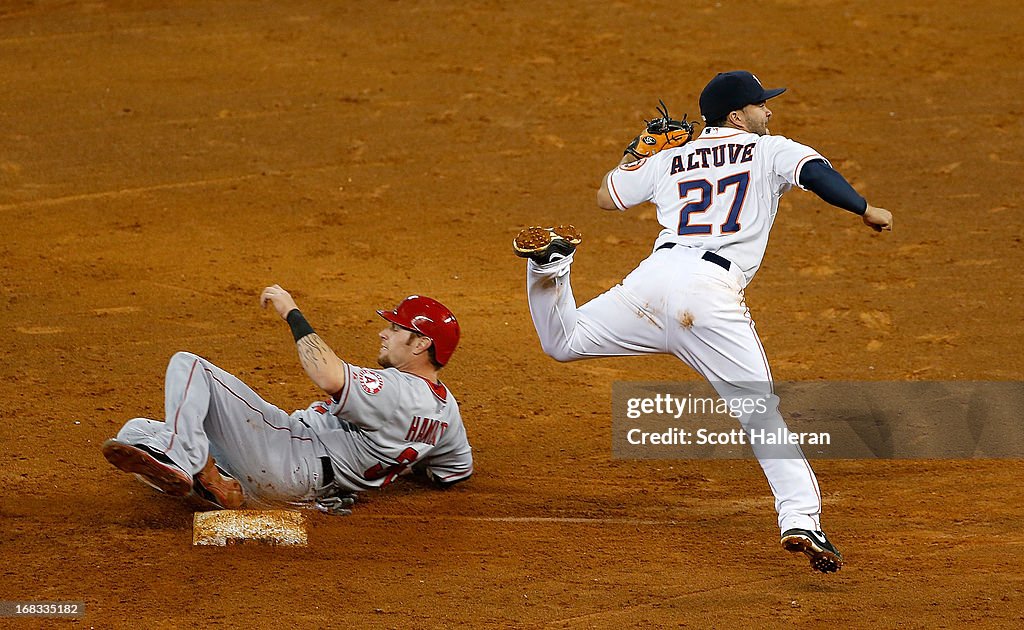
point(645, 312)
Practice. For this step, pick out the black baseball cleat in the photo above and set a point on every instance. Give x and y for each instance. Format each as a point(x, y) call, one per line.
point(152, 466)
point(546, 244)
point(813, 544)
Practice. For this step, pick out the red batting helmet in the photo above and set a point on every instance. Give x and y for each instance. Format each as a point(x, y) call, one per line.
point(429, 318)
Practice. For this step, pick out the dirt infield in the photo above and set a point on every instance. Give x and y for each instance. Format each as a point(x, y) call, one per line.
point(163, 161)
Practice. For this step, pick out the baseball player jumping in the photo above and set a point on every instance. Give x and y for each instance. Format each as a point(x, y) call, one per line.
point(225, 444)
point(716, 197)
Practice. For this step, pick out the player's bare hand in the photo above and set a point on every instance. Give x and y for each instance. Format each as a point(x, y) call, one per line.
point(878, 219)
point(279, 298)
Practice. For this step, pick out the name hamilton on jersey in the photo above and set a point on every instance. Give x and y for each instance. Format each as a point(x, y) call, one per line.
point(425, 430)
point(706, 157)
point(422, 430)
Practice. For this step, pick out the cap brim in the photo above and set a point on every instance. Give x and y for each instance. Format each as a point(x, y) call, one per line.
point(772, 93)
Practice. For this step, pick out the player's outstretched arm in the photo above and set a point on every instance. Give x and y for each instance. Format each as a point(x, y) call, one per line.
point(322, 366)
point(821, 179)
point(878, 219)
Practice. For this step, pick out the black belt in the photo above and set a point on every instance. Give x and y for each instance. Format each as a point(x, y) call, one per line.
point(711, 257)
point(328, 472)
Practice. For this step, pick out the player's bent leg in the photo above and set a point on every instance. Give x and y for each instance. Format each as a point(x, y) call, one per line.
point(271, 454)
point(187, 396)
point(210, 413)
point(614, 323)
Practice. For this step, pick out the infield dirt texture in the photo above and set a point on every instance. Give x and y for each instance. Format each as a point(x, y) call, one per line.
point(161, 162)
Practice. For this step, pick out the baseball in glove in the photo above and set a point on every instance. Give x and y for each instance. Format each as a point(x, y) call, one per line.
point(661, 133)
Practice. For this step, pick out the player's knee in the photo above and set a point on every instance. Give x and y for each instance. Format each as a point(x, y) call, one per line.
point(560, 352)
point(182, 357)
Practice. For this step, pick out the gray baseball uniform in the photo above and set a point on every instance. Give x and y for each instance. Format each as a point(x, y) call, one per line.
point(381, 423)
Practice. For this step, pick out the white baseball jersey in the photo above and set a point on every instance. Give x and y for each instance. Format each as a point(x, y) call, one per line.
point(717, 193)
point(388, 420)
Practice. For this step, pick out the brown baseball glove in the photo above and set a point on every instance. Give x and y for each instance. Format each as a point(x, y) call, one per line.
point(661, 133)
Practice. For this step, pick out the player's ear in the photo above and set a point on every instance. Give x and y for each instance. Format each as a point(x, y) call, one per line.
point(422, 344)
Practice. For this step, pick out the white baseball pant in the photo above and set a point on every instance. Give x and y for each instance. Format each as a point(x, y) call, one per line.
point(677, 303)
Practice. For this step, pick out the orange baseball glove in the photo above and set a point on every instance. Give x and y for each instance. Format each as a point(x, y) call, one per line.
point(661, 133)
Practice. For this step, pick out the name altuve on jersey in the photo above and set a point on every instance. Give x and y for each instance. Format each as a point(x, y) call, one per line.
point(719, 155)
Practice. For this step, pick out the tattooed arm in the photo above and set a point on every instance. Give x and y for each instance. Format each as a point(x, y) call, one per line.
point(321, 364)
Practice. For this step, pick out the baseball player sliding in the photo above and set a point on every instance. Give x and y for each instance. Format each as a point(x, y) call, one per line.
point(225, 444)
point(716, 197)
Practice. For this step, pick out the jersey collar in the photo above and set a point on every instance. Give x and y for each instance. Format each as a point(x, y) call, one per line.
point(720, 132)
point(438, 388)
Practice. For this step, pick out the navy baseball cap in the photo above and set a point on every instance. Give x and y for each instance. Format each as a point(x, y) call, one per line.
point(729, 91)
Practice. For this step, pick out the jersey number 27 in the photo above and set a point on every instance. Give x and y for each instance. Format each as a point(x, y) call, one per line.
point(707, 196)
